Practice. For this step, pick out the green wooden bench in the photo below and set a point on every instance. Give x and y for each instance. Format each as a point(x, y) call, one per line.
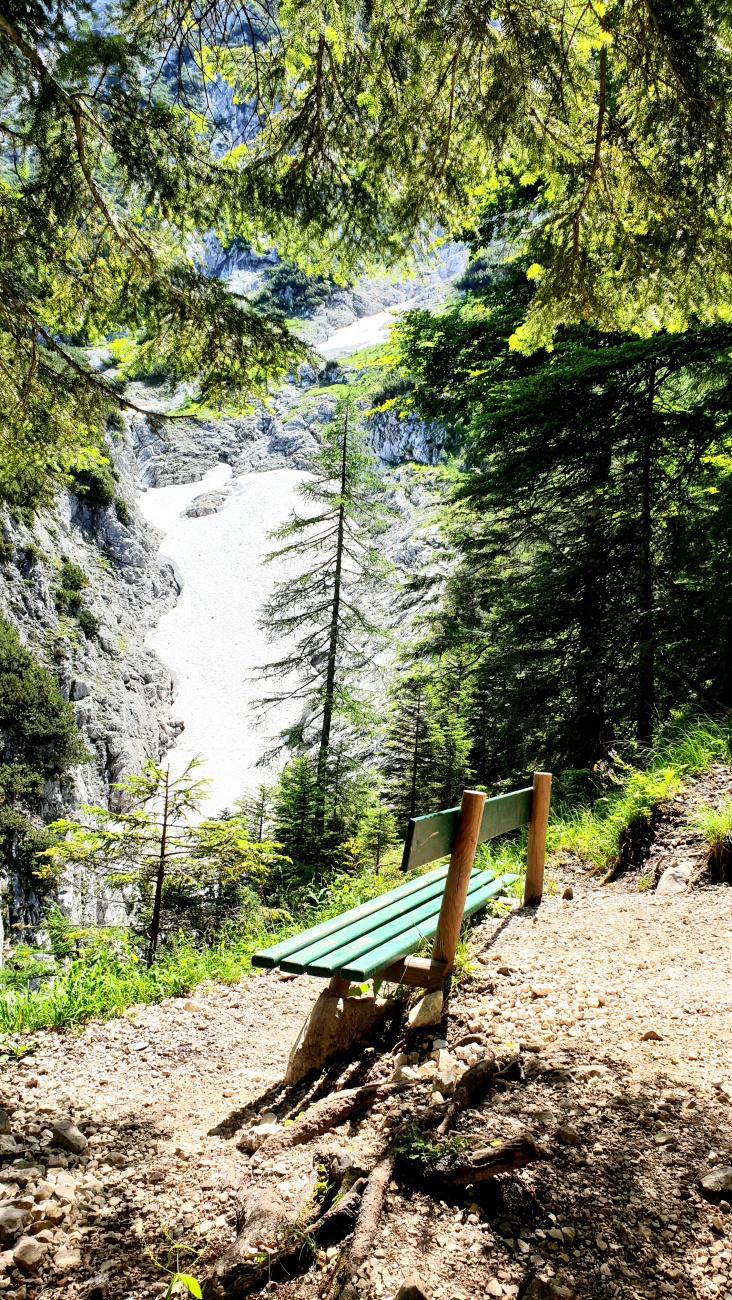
point(375, 940)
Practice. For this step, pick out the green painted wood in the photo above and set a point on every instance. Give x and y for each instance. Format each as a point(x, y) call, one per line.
point(507, 812)
point(270, 957)
point(431, 837)
point(357, 944)
point(306, 957)
point(402, 944)
point(428, 838)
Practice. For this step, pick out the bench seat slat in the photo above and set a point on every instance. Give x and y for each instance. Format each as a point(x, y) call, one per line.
point(270, 957)
point(371, 932)
point(310, 954)
point(368, 965)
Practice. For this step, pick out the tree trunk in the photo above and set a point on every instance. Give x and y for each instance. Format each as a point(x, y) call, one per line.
point(646, 628)
point(158, 903)
point(415, 754)
point(335, 617)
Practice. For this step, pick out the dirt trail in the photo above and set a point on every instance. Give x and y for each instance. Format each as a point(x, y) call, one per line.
point(620, 1001)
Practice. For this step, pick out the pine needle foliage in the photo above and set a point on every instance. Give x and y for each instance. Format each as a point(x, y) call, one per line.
point(595, 140)
point(178, 870)
point(106, 175)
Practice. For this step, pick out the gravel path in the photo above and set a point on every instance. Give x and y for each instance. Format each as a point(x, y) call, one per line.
point(620, 1001)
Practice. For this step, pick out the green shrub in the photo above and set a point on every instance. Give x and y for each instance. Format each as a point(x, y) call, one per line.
point(122, 510)
point(391, 387)
point(715, 825)
point(94, 486)
point(287, 291)
point(115, 421)
point(88, 622)
point(73, 577)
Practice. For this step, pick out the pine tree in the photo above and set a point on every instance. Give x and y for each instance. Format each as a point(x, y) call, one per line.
point(321, 613)
point(427, 742)
point(256, 808)
point(378, 832)
point(295, 811)
point(592, 139)
point(593, 583)
point(183, 870)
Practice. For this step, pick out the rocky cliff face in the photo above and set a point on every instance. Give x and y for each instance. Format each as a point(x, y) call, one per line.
point(121, 692)
point(396, 439)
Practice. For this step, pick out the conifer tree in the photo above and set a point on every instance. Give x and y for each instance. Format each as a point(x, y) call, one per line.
point(181, 869)
point(427, 743)
point(256, 808)
point(321, 613)
point(599, 485)
point(378, 832)
point(295, 811)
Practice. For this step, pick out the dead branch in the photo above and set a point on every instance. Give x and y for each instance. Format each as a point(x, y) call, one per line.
point(325, 1115)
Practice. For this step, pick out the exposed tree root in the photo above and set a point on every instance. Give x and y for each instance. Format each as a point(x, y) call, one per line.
point(473, 1084)
point(325, 1115)
point(367, 1224)
point(476, 1166)
point(269, 1238)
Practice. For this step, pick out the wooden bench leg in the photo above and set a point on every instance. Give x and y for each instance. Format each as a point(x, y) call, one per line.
point(458, 877)
point(338, 986)
point(536, 852)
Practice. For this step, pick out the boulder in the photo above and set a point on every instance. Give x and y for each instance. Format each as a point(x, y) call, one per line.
point(4, 1122)
point(716, 1184)
point(675, 879)
point(8, 1145)
point(428, 1011)
point(334, 1025)
point(12, 1222)
point(65, 1134)
point(28, 1254)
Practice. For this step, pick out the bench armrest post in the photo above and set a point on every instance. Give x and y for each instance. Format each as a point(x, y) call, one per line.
point(458, 877)
point(536, 852)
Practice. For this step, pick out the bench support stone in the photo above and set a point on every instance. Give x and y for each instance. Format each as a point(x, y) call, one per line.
point(335, 1023)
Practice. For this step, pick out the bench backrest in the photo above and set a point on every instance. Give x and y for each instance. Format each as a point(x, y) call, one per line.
point(432, 836)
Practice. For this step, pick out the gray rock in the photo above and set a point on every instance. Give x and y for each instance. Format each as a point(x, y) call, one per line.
point(8, 1145)
point(675, 879)
point(65, 1134)
point(209, 503)
point(428, 1011)
point(412, 1288)
point(568, 1135)
point(66, 1258)
point(28, 1254)
point(12, 1222)
point(716, 1184)
point(4, 1123)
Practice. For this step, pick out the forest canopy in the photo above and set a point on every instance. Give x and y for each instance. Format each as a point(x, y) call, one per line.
point(594, 141)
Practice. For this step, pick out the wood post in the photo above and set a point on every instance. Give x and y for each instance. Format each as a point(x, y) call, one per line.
point(458, 877)
point(536, 851)
point(339, 986)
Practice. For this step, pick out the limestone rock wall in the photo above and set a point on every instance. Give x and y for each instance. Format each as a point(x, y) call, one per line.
point(121, 692)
